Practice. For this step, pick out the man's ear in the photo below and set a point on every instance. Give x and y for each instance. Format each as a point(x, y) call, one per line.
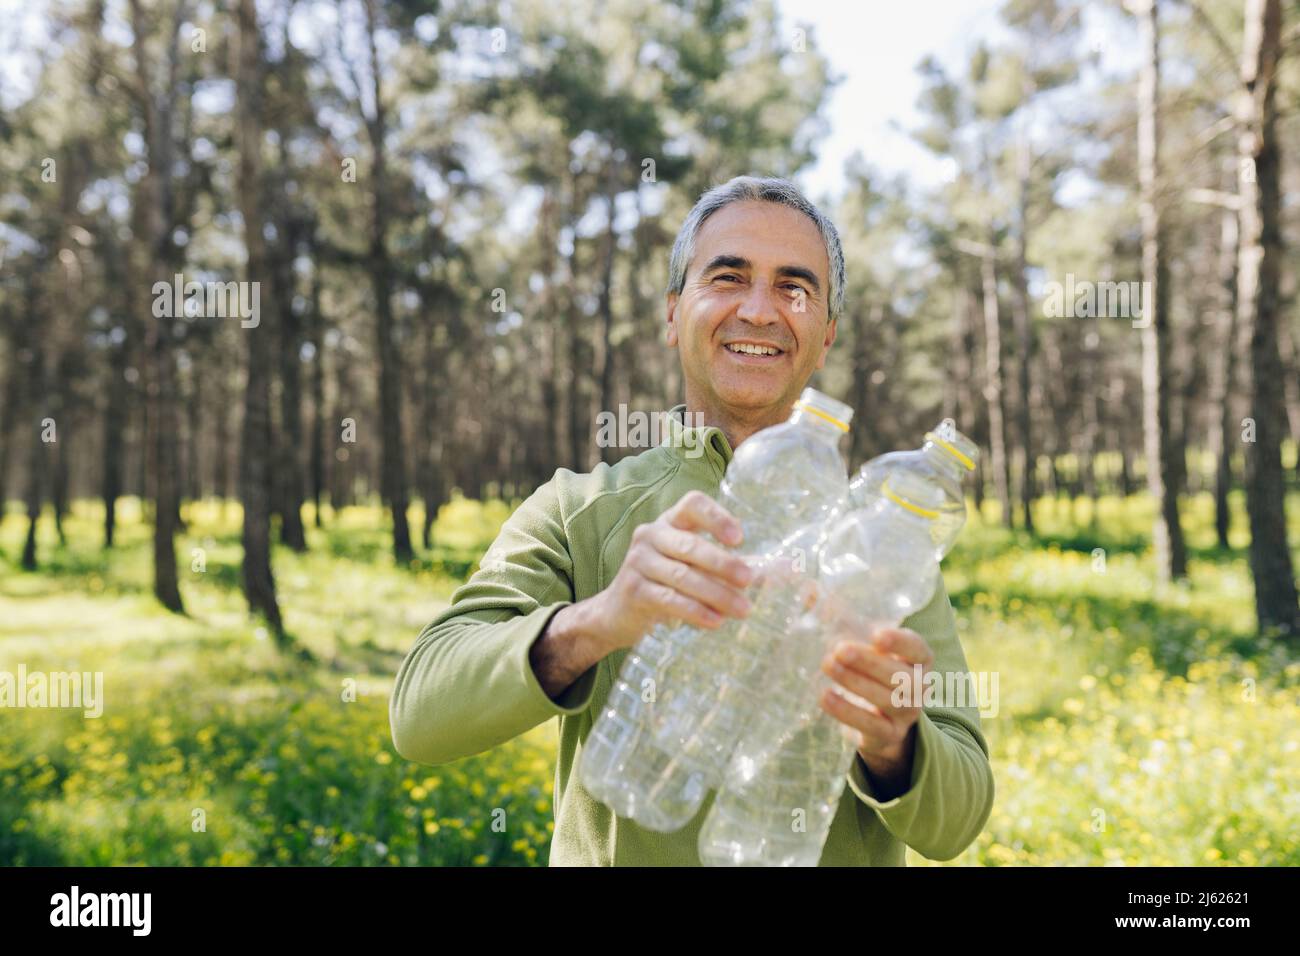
point(672, 319)
point(826, 345)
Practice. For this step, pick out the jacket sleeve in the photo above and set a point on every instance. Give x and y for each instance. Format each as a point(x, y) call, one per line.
point(468, 685)
point(951, 793)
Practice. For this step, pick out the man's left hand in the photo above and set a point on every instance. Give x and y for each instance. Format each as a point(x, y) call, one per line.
point(885, 734)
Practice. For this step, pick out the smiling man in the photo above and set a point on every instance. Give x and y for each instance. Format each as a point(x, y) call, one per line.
point(591, 562)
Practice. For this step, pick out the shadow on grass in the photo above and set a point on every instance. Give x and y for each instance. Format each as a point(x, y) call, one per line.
point(993, 541)
point(1086, 540)
point(372, 549)
point(1175, 638)
point(65, 563)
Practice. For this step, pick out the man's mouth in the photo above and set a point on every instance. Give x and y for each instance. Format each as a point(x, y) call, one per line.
point(753, 350)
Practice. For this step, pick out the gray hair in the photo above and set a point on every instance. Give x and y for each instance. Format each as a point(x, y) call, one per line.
point(766, 189)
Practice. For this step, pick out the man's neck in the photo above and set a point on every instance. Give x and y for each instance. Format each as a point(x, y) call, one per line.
point(736, 425)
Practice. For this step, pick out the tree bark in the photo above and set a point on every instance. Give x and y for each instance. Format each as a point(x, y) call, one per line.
point(1258, 306)
point(392, 465)
point(158, 256)
point(606, 303)
point(254, 473)
point(317, 338)
point(993, 390)
point(1167, 535)
point(288, 473)
point(1024, 337)
point(1222, 375)
point(433, 425)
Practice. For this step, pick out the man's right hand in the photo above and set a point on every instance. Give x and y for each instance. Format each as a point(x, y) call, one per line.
point(672, 572)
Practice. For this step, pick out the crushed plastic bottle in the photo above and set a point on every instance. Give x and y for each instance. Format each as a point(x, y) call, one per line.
point(683, 695)
point(878, 566)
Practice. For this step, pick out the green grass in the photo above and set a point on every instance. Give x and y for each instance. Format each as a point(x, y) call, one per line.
point(1138, 724)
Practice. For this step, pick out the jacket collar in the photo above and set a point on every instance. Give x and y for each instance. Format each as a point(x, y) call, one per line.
point(695, 442)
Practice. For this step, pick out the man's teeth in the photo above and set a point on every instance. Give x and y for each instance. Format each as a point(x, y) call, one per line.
point(752, 349)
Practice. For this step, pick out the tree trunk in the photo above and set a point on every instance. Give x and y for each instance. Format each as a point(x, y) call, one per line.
point(860, 390)
point(993, 391)
point(157, 255)
point(222, 478)
point(8, 402)
point(1167, 535)
point(113, 437)
point(317, 393)
point(1222, 374)
point(1258, 306)
point(194, 432)
point(288, 473)
point(1024, 338)
point(606, 304)
point(31, 352)
point(1092, 412)
point(548, 238)
point(254, 472)
point(393, 466)
point(36, 468)
point(434, 431)
point(577, 425)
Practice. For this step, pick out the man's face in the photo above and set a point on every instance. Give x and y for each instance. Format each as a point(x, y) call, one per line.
point(759, 277)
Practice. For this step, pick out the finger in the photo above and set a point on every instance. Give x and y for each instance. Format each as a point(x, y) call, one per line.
point(708, 557)
point(867, 688)
point(903, 643)
point(867, 660)
point(706, 589)
point(673, 605)
point(876, 729)
point(696, 511)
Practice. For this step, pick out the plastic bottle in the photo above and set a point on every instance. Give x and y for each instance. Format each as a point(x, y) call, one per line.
point(672, 717)
point(878, 565)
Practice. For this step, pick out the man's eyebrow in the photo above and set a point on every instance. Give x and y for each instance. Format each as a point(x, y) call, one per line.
point(725, 261)
point(799, 272)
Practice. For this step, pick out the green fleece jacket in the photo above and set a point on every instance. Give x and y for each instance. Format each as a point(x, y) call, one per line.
point(467, 685)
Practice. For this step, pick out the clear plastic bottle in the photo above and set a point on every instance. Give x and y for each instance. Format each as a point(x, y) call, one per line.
point(878, 565)
point(682, 696)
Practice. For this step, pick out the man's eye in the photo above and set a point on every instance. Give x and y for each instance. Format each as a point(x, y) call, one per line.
point(729, 276)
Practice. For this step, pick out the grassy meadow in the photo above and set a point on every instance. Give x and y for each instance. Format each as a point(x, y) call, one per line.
point(1137, 724)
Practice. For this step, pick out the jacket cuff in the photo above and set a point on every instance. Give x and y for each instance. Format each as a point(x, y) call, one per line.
point(898, 812)
point(575, 698)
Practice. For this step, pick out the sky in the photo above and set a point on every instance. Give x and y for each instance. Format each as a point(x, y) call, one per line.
point(875, 45)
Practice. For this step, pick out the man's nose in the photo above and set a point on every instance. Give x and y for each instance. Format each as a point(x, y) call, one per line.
point(759, 305)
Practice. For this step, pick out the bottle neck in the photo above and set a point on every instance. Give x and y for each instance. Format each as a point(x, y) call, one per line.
point(943, 461)
point(821, 425)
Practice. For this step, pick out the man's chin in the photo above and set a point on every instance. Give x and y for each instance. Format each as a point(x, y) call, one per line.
point(753, 396)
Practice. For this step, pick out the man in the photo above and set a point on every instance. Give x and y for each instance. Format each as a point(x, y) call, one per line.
point(591, 562)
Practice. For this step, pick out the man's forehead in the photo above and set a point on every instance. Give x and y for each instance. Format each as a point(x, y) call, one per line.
point(764, 233)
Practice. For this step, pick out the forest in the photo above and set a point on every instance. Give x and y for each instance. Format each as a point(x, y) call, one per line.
point(299, 298)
